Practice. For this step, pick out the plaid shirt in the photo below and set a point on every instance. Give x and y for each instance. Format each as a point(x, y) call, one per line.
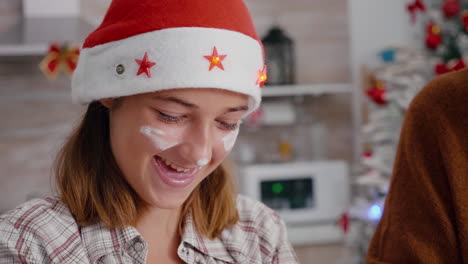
point(44, 231)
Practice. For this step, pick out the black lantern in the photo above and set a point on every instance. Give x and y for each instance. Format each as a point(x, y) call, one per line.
point(279, 53)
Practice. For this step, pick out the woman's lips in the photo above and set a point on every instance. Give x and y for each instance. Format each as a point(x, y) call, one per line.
point(171, 177)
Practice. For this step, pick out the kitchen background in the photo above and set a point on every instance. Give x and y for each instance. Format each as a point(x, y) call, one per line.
point(313, 122)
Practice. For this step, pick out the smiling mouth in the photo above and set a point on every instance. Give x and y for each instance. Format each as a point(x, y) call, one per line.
point(172, 174)
point(175, 167)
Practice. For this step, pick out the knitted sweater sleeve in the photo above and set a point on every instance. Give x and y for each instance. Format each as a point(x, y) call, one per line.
point(421, 215)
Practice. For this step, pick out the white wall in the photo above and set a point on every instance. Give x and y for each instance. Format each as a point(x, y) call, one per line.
point(375, 25)
point(51, 8)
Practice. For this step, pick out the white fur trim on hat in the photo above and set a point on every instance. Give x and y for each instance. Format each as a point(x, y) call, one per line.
point(180, 63)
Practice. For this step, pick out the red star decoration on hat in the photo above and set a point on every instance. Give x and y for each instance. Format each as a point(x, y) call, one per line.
point(145, 65)
point(215, 59)
point(262, 76)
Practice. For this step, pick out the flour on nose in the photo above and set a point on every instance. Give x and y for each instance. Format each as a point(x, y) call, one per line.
point(230, 139)
point(202, 162)
point(155, 135)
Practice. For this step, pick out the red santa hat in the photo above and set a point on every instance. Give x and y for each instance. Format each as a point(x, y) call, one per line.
point(147, 45)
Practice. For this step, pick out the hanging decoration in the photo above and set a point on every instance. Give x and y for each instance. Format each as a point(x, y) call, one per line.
point(414, 7)
point(59, 58)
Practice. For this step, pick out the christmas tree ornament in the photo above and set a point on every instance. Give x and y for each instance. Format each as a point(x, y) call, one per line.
point(451, 8)
point(344, 222)
point(433, 37)
point(181, 44)
point(59, 58)
point(453, 65)
point(388, 55)
point(441, 68)
point(377, 93)
point(464, 20)
point(413, 8)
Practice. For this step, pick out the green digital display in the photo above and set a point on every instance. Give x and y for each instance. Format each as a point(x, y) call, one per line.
point(288, 194)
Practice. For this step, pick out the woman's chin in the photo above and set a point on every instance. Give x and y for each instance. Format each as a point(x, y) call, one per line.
point(168, 201)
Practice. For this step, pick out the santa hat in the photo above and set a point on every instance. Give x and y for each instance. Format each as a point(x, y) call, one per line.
point(147, 45)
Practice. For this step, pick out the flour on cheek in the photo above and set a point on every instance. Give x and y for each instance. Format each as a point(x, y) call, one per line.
point(158, 137)
point(230, 139)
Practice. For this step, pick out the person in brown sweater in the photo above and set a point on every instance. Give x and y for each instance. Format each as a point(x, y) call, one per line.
point(425, 219)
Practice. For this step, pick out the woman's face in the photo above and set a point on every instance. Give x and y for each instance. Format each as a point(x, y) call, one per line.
point(167, 142)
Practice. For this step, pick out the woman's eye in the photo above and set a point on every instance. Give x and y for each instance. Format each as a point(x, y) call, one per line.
point(228, 126)
point(168, 118)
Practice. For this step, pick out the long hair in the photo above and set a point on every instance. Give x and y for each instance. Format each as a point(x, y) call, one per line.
point(93, 187)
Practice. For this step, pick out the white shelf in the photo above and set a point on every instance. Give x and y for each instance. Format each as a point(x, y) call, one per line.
point(33, 36)
point(306, 89)
point(24, 50)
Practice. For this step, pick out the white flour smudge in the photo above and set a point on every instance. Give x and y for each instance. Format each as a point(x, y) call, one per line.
point(230, 139)
point(157, 136)
point(202, 162)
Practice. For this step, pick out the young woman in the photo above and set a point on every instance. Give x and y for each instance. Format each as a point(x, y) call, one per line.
point(141, 180)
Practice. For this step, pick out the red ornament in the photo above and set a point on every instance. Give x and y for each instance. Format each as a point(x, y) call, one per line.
point(441, 68)
point(145, 65)
point(433, 37)
point(414, 7)
point(464, 19)
point(59, 58)
point(262, 76)
point(456, 65)
point(215, 59)
point(344, 222)
point(367, 155)
point(453, 65)
point(451, 8)
point(377, 94)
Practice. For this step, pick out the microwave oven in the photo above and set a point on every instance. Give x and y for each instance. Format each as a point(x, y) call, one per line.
point(309, 196)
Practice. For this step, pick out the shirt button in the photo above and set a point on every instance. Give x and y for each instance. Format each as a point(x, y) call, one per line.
point(138, 246)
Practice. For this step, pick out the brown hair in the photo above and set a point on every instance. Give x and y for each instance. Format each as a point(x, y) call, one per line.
point(90, 182)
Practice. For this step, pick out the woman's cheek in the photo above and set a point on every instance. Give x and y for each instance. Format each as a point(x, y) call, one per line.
point(229, 139)
point(161, 138)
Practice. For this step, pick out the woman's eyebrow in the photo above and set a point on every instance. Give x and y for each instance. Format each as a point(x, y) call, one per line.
point(175, 100)
point(237, 109)
point(187, 104)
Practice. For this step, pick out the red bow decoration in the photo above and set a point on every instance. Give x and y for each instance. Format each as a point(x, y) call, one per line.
point(414, 7)
point(378, 94)
point(453, 65)
point(59, 58)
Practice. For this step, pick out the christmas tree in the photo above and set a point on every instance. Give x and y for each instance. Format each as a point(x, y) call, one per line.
point(446, 31)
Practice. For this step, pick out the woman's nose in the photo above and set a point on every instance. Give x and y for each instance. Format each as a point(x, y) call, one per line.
point(197, 145)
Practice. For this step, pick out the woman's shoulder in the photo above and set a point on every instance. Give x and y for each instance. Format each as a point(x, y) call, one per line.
point(38, 217)
point(40, 231)
point(34, 211)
